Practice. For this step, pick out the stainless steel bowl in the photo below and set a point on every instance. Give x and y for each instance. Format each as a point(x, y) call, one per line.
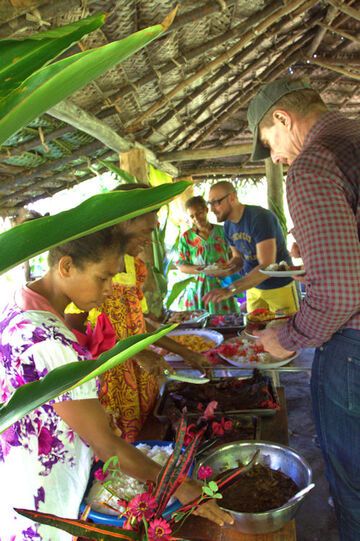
point(273, 455)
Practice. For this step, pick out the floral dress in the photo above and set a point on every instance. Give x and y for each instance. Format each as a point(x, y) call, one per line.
point(195, 250)
point(128, 393)
point(44, 465)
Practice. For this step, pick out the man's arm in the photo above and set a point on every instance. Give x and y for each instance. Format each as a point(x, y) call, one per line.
point(326, 231)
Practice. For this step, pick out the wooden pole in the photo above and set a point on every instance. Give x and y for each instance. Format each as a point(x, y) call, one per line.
point(88, 123)
point(275, 186)
point(351, 12)
point(134, 162)
point(206, 153)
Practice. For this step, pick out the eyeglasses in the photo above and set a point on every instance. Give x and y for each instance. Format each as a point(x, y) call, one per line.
point(216, 202)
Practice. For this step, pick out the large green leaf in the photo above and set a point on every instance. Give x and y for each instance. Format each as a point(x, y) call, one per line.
point(79, 527)
point(177, 289)
point(21, 58)
point(36, 236)
point(120, 173)
point(32, 395)
point(55, 82)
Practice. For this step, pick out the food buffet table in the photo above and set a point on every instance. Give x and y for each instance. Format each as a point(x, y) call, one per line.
point(273, 428)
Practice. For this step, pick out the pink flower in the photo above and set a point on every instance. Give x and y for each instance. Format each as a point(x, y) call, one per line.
point(159, 530)
point(210, 409)
point(217, 429)
point(205, 472)
point(100, 475)
point(142, 506)
point(228, 425)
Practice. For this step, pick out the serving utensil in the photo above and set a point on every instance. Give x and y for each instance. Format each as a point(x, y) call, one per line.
point(175, 376)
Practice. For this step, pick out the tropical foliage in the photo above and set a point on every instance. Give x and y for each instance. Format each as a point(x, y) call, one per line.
point(31, 83)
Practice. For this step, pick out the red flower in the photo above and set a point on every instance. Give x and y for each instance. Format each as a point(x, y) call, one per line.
point(141, 506)
point(159, 530)
point(219, 429)
point(205, 472)
point(100, 475)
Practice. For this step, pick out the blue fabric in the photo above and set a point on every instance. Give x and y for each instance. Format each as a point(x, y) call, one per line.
point(335, 389)
point(256, 225)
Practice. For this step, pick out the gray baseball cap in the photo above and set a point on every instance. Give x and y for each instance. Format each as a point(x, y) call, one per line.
point(267, 96)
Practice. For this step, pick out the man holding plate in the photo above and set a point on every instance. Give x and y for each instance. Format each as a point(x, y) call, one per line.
point(292, 125)
point(256, 241)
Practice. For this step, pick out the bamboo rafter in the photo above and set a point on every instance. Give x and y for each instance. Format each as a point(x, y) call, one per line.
point(244, 98)
point(250, 69)
point(225, 57)
point(205, 153)
point(341, 33)
point(337, 69)
point(351, 12)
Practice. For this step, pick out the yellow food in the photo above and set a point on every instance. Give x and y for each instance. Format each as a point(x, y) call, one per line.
point(194, 342)
point(264, 315)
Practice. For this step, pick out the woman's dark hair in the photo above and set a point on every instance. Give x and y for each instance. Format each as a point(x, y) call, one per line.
point(196, 201)
point(89, 248)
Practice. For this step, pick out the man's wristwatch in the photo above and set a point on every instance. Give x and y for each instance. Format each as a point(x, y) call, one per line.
point(232, 290)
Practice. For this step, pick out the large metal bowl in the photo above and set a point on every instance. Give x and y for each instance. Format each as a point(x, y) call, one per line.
point(275, 456)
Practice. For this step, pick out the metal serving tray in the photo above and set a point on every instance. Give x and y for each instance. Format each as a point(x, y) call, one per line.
point(261, 412)
point(197, 321)
point(225, 328)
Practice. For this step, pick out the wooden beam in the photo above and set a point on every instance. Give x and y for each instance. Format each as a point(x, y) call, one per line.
point(89, 123)
point(206, 153)
point(341, 33)
point(329, 17)
point(337, 69)
point(351, 12)
point(223, 170)
point(275, 186)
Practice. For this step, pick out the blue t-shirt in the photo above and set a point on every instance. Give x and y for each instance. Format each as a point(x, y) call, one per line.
point(256, 225)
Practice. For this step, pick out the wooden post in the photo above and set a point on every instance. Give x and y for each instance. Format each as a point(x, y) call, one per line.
point(134, 162)
point(275, 186)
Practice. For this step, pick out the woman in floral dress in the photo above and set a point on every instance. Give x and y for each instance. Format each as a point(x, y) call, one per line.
point(202, 245)
point(45, 457)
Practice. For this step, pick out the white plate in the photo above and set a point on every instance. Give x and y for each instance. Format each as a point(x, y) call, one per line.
point(276, 363)
point(283, 274)
point(205, 333)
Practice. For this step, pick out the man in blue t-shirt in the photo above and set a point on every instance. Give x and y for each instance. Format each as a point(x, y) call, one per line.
point(256, 240)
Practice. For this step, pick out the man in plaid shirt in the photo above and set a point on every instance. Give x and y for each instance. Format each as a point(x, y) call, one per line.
point(292, 124)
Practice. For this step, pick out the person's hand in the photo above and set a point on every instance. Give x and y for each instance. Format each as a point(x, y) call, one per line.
point(152, 362)
point(189, 490)
point(269, 339)
point(295, 250)
point(217, 295)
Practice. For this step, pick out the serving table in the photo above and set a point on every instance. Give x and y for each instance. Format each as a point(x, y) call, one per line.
point(273, 428)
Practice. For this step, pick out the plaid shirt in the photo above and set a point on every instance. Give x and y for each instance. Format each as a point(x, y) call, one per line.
point(324, 200)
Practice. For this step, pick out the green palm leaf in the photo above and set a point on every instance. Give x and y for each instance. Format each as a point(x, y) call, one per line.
point(100, 211)
point(177, 289)
point(120, 173)
point(79, 527)
point(22, 57)
point(64, 378)
point(55, 82)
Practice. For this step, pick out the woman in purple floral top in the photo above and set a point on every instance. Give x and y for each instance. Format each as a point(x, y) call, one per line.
point(45, 458)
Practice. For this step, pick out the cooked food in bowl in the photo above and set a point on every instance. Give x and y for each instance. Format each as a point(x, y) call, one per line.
point(186, 316)
point(194, 342)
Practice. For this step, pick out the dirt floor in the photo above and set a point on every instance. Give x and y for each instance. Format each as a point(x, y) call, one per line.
point(316, 519)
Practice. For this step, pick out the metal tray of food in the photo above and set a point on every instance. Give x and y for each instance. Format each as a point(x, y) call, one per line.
point(168, 408)
point(225, 323)
point(187, 318)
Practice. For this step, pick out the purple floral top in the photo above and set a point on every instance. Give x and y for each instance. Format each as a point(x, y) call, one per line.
point(44, 465)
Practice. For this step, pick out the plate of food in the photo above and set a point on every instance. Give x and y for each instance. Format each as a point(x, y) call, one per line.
point(199, 340)
point(215, 269)
point(245, 353)
point(283, 270)
point(258, 319)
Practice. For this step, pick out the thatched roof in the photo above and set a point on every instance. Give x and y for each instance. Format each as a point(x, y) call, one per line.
point(186, 91)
